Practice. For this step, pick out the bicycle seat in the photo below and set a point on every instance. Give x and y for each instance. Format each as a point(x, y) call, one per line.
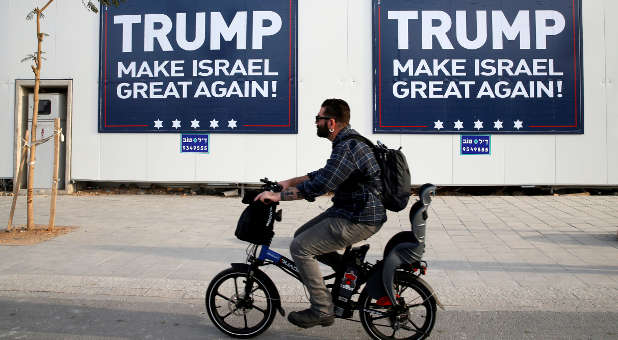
point(334, 259)
point(331, 259)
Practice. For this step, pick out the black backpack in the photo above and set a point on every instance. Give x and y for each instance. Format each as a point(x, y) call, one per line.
point(395, 176)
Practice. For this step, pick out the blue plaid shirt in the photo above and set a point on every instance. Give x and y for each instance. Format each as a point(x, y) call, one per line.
point(350, 172)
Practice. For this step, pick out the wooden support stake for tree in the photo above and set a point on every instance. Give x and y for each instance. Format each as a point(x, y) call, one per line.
point(17, 184)
point(52, 209)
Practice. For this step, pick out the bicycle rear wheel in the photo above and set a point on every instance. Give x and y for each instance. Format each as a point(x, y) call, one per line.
point(413, 319)
point(234, 312)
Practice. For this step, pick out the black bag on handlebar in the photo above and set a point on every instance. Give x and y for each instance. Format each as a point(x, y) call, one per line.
point(256, 221)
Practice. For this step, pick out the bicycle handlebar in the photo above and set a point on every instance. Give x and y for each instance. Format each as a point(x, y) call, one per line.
point(271, 185)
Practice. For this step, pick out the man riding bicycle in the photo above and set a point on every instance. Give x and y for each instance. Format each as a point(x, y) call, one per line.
point(353, 174)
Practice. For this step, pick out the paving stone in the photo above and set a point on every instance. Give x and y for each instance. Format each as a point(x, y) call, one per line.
point(501, 252)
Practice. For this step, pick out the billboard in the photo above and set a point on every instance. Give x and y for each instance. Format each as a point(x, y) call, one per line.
point(198, 66)
point(482, 66)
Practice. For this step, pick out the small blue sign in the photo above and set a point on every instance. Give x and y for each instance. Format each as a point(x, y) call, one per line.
point(194, 143)
point(475, 145)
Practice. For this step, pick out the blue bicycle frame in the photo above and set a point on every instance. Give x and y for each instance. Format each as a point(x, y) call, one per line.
point(269, 256)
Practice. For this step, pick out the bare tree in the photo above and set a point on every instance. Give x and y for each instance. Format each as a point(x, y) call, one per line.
point(36, 68)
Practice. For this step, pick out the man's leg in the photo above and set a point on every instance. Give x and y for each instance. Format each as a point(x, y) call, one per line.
point(320, 236)
point(310, 224)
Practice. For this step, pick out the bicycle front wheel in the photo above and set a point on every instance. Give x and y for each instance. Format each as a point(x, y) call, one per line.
point(412, 319)
point(235, 312)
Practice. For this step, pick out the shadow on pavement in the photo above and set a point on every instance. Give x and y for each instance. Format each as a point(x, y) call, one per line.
point(48, 318)
point(21, 318)
point(580, 239)
point(224, 255)
point(521, 267)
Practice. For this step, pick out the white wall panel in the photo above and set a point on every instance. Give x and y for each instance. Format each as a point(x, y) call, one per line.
point(77, 53)
point(54, 17)
point(529, 159)
point(5, 10)
point(124, 157)
point(611, 62)
point(21, 44)
point(583, 158)
point(322, 40)
point(269, 156)
point(86, 141)
point(8, 61)
point(6, 132)
point(82, 49)
point(225, 162)
point(358, 80)
point(6, 107)
point(479, 169)
point(165, 162)
point(430, 158)
point(22, 39)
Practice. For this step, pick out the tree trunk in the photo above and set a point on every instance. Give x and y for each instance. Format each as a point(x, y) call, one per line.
point(35, 114)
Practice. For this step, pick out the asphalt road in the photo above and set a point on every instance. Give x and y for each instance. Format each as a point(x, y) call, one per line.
point(38, 316)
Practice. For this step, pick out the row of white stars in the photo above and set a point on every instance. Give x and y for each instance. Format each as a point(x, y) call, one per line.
point(158, 124)
point(517, 124)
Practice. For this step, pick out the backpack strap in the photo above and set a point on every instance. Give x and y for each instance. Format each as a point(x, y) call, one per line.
point(359, 138)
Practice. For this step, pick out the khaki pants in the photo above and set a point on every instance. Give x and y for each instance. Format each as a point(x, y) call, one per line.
point(323, 235)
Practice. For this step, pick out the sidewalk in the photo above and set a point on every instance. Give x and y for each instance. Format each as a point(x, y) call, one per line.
point(490, 253)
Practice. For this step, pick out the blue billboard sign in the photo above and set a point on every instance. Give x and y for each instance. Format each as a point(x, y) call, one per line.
point(199, 66)
point(477, 66)
point(194, 143)
point(475, 145)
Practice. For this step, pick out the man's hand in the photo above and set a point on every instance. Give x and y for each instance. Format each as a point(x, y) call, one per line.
point(268, 197)
point(285, 184)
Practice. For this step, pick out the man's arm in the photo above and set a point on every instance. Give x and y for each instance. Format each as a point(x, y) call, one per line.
point(337, 169)
point(291, 194)
point(292, 182)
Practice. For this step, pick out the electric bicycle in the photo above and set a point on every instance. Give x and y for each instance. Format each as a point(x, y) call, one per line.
point(395, 302)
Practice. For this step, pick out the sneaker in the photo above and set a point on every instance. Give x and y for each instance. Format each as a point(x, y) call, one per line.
point(309, 318)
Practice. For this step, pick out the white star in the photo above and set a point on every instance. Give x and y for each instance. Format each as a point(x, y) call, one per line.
point(458, 125)
point(195, 123)
point(498, 124)
point(231, 123)
point(438, 125)
point(214, 123)
point(175, 124)
point(478, 124)
point(158, 124)
point(518, 124)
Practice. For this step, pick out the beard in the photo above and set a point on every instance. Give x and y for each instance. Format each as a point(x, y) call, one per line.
point(323, 131)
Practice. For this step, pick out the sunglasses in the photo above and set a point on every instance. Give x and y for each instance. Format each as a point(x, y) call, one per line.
point(317, 118)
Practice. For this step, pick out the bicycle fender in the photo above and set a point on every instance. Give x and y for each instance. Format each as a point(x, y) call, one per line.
point(431, 291)
point(267, 281)
point(374, 286)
